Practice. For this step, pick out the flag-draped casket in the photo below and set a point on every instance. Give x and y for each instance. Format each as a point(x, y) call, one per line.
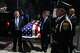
point(32, 29)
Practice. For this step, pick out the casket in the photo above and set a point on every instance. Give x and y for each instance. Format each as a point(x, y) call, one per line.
point(31, 30)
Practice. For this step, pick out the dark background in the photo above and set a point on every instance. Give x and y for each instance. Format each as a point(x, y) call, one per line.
point(12, 4)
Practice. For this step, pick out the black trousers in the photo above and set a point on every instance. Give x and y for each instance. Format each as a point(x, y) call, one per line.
point(27, 46)
point(45, 39)
point(59, 48)
point(17, 39)
point(71, 45)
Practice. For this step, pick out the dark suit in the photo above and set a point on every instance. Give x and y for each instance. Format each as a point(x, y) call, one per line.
point(74, 23)
point(45, 31)
point(17, 33)
point(60, 44)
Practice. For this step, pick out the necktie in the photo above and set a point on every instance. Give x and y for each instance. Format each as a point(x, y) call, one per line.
point(42, 24)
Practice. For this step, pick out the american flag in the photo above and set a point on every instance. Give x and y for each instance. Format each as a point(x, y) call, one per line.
point(32, 29)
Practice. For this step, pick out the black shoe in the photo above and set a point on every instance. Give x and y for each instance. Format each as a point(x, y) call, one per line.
point(45, 51)
point(20, 50)
point(14, 50)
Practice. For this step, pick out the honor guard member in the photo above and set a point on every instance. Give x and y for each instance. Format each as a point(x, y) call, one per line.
point(63, 28)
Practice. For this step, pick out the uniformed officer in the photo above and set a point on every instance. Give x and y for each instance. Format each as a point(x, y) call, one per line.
point(62, 32)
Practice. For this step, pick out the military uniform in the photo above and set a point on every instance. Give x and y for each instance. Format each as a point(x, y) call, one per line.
point(62, 33)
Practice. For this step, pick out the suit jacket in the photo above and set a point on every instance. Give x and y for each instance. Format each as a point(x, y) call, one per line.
point(73, 20)
point(46, 26)
point(20, 23)
point(74, 23)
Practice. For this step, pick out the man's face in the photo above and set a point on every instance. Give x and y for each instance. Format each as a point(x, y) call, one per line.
point(71, 11)
point(46, 13)
point(60, 12)
point(16, 13)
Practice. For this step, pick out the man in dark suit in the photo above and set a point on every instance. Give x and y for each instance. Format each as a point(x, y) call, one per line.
point(60, 44)
point(45, 29)
point(73, 19)
point(17, 24)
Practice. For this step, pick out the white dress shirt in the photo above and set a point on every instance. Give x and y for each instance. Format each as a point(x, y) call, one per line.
point(17, 22)
point(45, 19)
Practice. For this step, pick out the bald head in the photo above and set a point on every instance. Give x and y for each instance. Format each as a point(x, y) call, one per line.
point(16, 13)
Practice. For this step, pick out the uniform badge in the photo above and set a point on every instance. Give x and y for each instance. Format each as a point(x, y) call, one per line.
point(65, 25)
